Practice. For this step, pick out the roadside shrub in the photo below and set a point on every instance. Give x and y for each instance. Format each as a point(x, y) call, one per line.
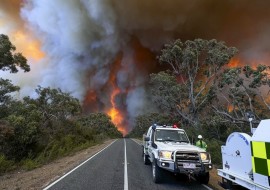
point(214, 148)
point(99, 123)
point(29, 164)
point(5, 164)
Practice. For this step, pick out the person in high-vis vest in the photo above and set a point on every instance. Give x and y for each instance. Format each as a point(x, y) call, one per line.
point(200, 143)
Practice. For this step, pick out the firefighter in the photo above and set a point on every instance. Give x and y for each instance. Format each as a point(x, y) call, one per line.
point(200, 143)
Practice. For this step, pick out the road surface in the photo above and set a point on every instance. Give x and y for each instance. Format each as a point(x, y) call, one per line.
point(120, 167)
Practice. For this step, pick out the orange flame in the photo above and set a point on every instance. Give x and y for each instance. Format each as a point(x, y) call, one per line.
point(115, 114)
point(230, 108)
point(234, 63)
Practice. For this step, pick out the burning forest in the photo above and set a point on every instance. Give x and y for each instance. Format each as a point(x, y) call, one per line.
point(103, 51)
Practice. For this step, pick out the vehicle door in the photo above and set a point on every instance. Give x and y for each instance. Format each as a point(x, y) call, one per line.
point(150, 145)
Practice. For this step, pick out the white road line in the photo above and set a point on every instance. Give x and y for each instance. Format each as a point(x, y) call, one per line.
point(49, 186)
point(207, 187)
point(136, 142)
point(125, 172)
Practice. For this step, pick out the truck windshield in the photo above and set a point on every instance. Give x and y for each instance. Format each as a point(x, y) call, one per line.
point(171, 135)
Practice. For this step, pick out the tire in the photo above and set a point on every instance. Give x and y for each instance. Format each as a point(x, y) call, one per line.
point(203, 178)
point(146, 160)
point(227, 184)
point(156, 172)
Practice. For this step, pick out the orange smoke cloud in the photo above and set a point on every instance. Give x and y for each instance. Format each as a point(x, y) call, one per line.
point(1, 23)
point(14, 27)
point(90, 98)
point(29, 47)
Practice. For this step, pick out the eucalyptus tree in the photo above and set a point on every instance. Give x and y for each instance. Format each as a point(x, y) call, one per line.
point(241, 90)
point(6, 89)
point(9, 59)
point(189, 87)
point(55, 104)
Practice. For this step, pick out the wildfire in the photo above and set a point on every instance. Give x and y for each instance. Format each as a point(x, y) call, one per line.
point(234, 63)
point(230, 108)
point(115, 114)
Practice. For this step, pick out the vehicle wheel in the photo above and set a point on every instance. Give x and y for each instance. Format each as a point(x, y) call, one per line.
point(203, 178)
point(227, 184)
point(146, 160)
point(156, 172)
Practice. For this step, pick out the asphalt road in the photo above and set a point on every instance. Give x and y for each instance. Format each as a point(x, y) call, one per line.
point(120, 166)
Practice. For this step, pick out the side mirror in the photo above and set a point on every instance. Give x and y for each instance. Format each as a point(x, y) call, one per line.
point(146, 138)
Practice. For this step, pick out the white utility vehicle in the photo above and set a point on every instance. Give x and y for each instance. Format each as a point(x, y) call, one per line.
point(169, 148)
point(246, 159)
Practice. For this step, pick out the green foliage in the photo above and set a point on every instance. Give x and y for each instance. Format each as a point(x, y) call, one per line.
point(55, 104)
point(143, 122)
point(165, 92)
point(22, 126)
point(29, 164)
point(35, 131)
point(6, 90)
point(60, 146)
point(10, 60)
point(214, 148)
point(6, 87)
point(190, 57)
point(101, 124)
point(5, 164)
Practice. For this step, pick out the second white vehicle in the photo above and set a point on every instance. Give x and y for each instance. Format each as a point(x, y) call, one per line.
point(169, 148)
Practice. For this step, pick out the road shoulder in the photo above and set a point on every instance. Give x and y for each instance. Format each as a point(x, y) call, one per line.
point(43, 176)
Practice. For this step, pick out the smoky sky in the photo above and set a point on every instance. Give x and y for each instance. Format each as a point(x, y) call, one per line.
point(88, 41)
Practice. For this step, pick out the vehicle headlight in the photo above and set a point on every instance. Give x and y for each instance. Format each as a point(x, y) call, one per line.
point(205, 157)
point(165, 154)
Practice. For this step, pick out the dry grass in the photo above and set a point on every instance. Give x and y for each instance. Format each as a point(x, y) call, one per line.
point(214, 179)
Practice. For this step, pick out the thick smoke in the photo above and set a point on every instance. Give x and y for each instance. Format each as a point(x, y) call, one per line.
point(93, 45)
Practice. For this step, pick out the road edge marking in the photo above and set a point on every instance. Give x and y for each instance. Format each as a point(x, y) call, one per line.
point(53, 183)
point(136, 142)
point(207, 187)
point(125, 169)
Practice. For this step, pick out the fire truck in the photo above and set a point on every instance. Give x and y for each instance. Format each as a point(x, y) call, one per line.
point(246, 159)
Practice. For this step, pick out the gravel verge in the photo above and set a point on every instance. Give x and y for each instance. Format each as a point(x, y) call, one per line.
point(39, 178)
